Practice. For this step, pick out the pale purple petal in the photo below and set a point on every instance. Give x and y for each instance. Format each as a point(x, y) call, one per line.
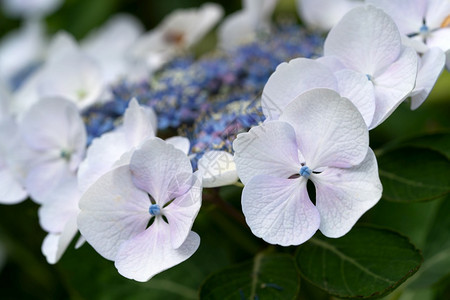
point(344, 195)
point(330, 130)
point(113, 210)
point(181, 213)
point(291, 80)
point(366, 40)
point(359, 90)
point(394, 85)
point(161, 170)
point(151, 252)
point(270, 148)
point(431, 65)
point(279, 210)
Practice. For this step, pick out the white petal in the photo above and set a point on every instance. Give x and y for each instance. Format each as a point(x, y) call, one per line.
point(55, 244)
point(101, 156)
point(366, 40)
point(359, 90)
point(437, 11)
point(139, 123)
point(161, 170)
point(270, 148)
point(330, 130)
point(60, 206)
point(217, 168)
point(394, 85)
point(75, 77)
point(292, 79)
point(180, 143)
point(54, 123)
point(407, 14)
point(279, 210)
point(431, 65)
point(44, 178)
point(344, 195)
point(440, 38)
point(11, 191)
point(181, 213)
point(312, 12)
point(62, 45)
point(237, 29)
point(113, 210)
point(150, 253)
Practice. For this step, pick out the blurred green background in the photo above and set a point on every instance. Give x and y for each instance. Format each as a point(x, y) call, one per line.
point(83, 274)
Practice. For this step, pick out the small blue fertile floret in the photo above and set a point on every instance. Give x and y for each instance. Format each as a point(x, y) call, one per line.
point(154, 210)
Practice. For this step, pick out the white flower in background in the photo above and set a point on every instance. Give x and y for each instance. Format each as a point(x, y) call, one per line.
point(54, 134)
point(366, 41)
point(431, 64)
point(20, 49)
point(12, 189)
point(242, 26)
point(319, 137)
point(67, 73)
point(425, 21)
point(292, 79)
point(324, 14)
point(217, 168)
point(110, 43)
point(30, 8)
point(178, 31)
point(58, 216)
point(116, 212)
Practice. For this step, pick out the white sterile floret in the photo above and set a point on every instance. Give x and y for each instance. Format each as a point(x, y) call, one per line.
point(324, 14)
point(242, 26)
point(122, 213)
point(319, 136)
point(178, 31)
point(217, 168)
point(54, 136)
point(292, 79)
point(109, 45)
point(367, 41)
point(426, 22)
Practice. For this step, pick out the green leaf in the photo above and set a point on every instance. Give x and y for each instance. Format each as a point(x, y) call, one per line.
point(267, 276)
point(411, 174)
point(367, 262)
point(436, 264)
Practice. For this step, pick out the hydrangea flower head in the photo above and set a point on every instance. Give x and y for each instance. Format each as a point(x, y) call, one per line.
point(319, 137)
point(156, 188)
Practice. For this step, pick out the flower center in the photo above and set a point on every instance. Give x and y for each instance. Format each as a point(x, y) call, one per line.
point(305, 171)
point(424, 29)
point(64, 154)
point(369, 77)
point(154, 210)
